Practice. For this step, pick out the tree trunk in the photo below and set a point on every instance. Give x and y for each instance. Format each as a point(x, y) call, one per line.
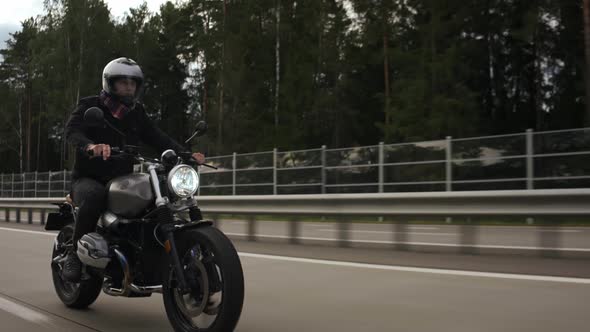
point(386, 76)
point(20, 135)
point(69, 96)
point(28, 128)
point(278, 64)
point(387, 109)
point(80, 64)
point(205, 71)
point(491, 91)
point(204, 107)
point(221, 85)
point(39, 135)
point(587, 51)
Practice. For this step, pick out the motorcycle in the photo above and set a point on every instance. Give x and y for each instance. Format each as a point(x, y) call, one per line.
point(152, 239)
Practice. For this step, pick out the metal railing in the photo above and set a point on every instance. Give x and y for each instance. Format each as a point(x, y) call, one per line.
point(35, 184)
point(528, 160)
point(347, 208)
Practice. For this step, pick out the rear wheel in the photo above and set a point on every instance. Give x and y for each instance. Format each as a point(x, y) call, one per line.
point(214, 274)
point(76, 295)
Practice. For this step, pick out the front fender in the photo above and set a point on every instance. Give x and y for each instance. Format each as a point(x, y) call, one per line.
point(193, 224)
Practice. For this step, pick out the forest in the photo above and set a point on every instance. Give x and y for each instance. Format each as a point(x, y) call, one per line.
point(299, 74)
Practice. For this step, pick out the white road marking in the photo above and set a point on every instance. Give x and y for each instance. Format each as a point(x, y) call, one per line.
point(421, 270)
point(27, 231)
point(23, 312)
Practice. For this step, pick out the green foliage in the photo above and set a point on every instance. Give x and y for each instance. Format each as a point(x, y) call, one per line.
point(350, 73)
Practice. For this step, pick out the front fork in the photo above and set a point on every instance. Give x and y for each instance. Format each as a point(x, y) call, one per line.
point(169, 229)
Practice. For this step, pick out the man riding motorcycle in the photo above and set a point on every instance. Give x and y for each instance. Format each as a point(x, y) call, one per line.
point(122, 82)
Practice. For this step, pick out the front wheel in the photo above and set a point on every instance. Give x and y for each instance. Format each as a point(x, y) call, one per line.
point(213, 271)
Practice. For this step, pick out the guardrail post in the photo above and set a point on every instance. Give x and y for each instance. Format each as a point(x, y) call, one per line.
point(30, 216)
point(549, 238)
point(274, 171)
point(49, 185)
point(400, 235)
point(35, 184)
point(343, 233)
point(294, 231)
point(468, 238)
point(43, 217)
point(233, 163)
point(12, 186)
point(216, 221)
point(323, 157)
point(18, 215)
point(252, 228)
point(7, 214)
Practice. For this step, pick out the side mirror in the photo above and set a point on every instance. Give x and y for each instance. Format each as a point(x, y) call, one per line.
point(201, 130)
point(94, 117)
point(169, 157)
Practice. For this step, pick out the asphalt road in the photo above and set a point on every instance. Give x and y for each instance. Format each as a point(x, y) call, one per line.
point(314, 294)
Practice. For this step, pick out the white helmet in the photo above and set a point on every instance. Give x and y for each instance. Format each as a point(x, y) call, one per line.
point(122, 68)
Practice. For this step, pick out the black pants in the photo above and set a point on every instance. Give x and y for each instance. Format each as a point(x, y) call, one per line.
point(91, 198)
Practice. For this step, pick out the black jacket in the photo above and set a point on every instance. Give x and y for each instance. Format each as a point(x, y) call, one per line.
point(135, 125)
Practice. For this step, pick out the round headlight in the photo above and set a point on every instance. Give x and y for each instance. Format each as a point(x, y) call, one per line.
point(183, 180)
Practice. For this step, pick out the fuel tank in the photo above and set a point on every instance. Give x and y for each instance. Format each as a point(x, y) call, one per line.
point(130, 195)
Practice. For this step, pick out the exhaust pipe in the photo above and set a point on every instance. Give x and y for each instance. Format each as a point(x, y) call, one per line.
point(128, 285)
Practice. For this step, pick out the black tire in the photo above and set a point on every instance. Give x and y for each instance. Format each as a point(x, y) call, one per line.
point(227, 262)
point(74, 295)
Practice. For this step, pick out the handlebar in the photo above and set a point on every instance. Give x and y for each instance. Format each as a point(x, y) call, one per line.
point(131, 150)
point(188, 158)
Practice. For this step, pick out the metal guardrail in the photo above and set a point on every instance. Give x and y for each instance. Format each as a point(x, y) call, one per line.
point(35, 184)
point(530, 203)
point(527, 160)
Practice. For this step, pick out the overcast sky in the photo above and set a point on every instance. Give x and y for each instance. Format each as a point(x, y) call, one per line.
point(13, 12)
